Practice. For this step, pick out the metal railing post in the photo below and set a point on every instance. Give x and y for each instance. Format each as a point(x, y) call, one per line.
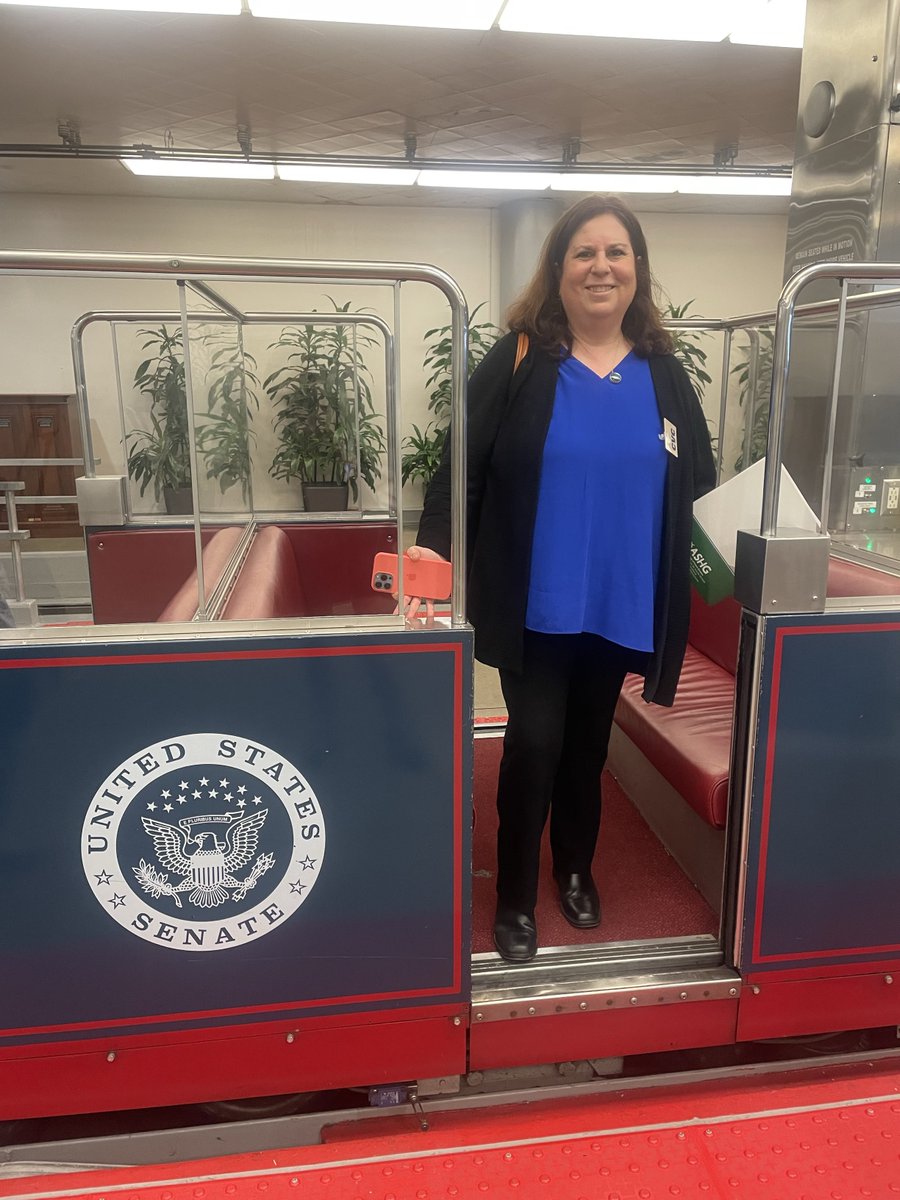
point(16, 537)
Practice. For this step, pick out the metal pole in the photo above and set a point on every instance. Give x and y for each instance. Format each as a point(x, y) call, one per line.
point(459, 332)
point(208, 293)
point(723, 403)
point(192, 454)
point(16, 537)
point(832, 409)
point(395, 458)
point(84, 419)
point(752, 398)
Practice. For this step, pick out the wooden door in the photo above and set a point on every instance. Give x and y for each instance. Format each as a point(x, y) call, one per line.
point(41, 427)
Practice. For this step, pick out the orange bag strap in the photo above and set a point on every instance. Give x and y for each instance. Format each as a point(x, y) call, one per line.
point(521, 350)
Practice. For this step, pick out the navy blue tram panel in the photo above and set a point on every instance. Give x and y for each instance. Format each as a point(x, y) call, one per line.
point(233, 831)
point(824, 852)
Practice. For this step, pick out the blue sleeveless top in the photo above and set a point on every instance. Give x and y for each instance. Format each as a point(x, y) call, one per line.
point(598, 530)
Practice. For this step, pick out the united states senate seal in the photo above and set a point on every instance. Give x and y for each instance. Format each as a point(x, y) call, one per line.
point(204, 841)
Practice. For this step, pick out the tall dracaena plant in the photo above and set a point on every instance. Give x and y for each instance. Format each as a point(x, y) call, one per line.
point(753, 397)
point(687, 346)
point(688, 349)
point(159, 454)
point(423, 448)
point(326, 422)
point(225, 434)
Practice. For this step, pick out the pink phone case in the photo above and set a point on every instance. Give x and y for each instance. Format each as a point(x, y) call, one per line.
point(430, 578)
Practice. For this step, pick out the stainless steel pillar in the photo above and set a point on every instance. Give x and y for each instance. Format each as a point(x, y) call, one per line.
point(524, 224)
point(845, 207)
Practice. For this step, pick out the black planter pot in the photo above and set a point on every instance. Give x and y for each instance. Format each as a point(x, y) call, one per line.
point(179, 501)
point(325, 497)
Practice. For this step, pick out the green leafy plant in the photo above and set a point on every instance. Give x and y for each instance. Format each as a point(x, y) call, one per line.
point(327, 426)
point(423, 448)
point(687, 345)
point(159, 455)
point(690, 353)
point(755, 400)
point(224, 434)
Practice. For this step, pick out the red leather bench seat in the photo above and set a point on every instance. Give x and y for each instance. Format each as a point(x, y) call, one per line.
point(217, 554)
point(851, 579)
point(689, 743)
point(268, 584)
point(135, 572)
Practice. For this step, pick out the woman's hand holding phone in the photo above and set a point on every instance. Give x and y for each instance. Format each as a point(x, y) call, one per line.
point(412, 604)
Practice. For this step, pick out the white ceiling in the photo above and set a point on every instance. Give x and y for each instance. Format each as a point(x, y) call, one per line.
point(319, 88)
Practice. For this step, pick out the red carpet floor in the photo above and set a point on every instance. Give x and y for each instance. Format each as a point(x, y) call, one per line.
point(643, 891)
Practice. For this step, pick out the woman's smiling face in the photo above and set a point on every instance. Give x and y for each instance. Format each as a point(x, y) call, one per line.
point(598, 277)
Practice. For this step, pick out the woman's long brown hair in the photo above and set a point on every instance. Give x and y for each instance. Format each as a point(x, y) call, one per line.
point(539, 311)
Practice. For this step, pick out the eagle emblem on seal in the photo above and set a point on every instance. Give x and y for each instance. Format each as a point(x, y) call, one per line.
point(205, 858)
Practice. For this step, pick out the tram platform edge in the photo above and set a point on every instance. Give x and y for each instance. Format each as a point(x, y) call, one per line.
point(794, 1134)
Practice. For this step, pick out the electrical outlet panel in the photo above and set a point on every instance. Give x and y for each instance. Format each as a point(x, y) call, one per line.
point(874, 500)
point(890, 496)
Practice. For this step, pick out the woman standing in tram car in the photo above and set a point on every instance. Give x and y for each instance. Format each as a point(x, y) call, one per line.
point(583, 464)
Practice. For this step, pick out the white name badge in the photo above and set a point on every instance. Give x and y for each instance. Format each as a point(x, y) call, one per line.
point(670, 437)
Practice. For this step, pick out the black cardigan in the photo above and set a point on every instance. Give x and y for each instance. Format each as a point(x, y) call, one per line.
point(508, 419)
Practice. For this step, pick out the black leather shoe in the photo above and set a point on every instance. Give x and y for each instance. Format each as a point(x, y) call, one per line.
point(515, 935)
point(579, 900)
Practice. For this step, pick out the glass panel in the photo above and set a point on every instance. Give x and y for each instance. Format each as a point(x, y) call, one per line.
point(747, 409)
point(185, 400)
point(224, 391)
point(864, 508)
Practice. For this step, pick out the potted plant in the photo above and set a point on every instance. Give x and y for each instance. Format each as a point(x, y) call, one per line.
point(424, 447)
point(160, 454)
point(224, 433)
point(329, 434)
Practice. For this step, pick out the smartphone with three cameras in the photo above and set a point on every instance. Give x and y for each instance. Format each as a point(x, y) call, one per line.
point(429, 578)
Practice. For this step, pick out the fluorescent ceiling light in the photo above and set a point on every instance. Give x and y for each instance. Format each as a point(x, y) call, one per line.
point(771, 23)
point(227, 8)
point(187, 168)
point(701, 185)
point(733, 185)
point(517, 181)
point(612, 183)
point(431, 14)
point(316, 174)
point(689, 20)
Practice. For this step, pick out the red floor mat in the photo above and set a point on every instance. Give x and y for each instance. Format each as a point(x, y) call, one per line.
point(643, 891)
point(798, 1137)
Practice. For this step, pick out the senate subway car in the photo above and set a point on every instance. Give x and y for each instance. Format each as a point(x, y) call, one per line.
point(247, 815)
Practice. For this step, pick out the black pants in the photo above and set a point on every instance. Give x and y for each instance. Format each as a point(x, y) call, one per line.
point(561, 710)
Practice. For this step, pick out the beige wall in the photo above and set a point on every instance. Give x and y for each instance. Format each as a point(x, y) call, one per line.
point(727, 265)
